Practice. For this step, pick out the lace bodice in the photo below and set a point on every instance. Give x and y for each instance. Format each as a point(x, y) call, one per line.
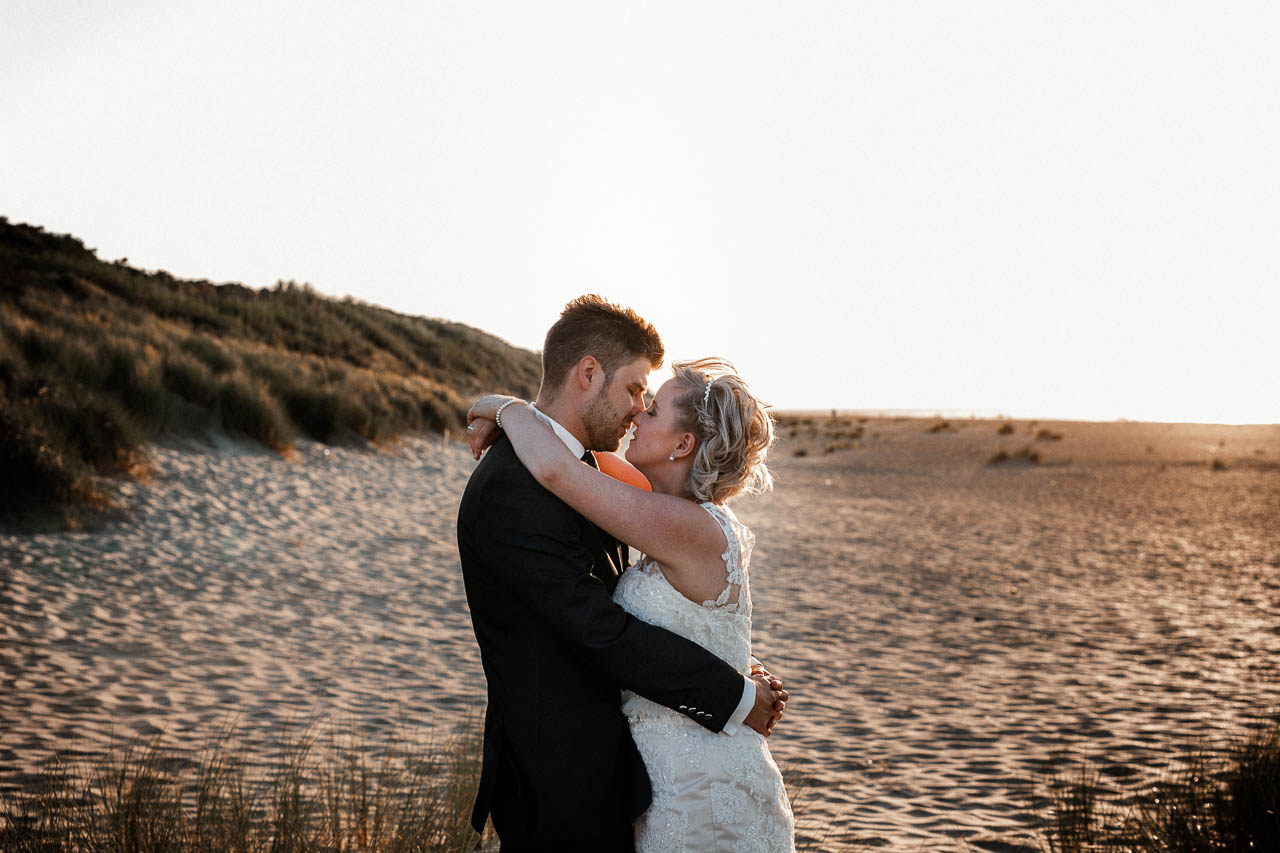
point(722, 625)
point(711, 792)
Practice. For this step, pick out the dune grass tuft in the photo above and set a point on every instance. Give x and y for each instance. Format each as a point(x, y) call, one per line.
point(1228, 802)
point(38, 474)
point(322, 792)
point(245, 405)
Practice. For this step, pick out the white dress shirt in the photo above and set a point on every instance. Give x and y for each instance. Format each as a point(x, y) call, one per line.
point(748, 700)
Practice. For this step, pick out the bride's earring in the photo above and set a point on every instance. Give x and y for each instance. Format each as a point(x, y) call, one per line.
point(672, 457)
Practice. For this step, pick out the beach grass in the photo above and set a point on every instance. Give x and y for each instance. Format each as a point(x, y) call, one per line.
point(97, 359)
point(326, 791)
point(1223, 801)
point(320, 792)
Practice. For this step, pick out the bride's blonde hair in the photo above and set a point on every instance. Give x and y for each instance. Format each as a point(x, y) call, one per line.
point(734, 430)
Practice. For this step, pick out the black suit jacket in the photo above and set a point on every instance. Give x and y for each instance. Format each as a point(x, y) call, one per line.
point(559, 762)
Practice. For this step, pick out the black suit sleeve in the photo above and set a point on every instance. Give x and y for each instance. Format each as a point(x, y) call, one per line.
point(532, 541)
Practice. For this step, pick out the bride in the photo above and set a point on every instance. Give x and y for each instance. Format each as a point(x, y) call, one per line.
point(702, 442)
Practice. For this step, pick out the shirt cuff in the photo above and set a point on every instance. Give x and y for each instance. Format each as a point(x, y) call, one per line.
point(744, 707)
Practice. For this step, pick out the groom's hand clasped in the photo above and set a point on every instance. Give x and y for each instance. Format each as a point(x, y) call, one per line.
point(771, 701)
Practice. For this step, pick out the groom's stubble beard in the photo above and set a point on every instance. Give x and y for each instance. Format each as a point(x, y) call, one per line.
point(603, 424)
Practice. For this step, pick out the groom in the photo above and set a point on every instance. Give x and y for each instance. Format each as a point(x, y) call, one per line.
point(561, 772)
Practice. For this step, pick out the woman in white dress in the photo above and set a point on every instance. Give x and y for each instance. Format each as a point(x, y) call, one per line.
point(702, 441)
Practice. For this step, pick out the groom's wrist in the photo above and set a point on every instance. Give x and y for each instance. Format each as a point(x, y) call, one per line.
point(744, 707)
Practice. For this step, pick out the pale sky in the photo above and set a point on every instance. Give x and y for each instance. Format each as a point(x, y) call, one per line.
point(1044, 209)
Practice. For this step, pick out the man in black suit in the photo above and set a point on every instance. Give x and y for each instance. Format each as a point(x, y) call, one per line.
point(561, 771)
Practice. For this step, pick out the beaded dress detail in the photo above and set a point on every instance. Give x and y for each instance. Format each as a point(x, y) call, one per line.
point(710, 791)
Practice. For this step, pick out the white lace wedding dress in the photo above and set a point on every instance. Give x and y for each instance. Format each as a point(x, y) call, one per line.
point(710, 791)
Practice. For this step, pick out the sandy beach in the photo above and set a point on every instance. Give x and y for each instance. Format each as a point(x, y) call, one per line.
point(952, 631)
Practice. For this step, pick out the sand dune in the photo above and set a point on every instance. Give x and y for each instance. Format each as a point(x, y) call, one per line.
point(951, 630)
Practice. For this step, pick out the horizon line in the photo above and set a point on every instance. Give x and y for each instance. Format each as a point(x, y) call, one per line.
point(1000, 415)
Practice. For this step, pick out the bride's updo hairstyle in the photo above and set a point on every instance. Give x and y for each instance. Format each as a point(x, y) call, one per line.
point(733, 428)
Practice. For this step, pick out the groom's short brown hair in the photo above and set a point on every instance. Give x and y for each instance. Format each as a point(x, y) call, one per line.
point(590, 325)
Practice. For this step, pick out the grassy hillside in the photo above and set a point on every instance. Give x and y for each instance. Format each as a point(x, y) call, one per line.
point(98, 358)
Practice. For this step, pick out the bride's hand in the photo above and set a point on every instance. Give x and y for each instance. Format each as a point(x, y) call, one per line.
point(480, 434)
point(487, 407)
point(481, 425)
point(771, 701)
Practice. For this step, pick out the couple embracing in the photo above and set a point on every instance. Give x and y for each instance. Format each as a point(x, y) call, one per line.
point(564, 621)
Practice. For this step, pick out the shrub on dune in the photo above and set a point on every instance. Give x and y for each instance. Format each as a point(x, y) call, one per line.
point(245, 406)
point(213, 353)
point(405, 410)
point(96, 429)
point(133, 373)
point(438, 412)
point(42, 347)
point(321, 413)
point(33, 473)
point(190, 379)
point(83, 364)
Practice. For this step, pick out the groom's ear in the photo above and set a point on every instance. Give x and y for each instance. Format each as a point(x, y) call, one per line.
point(587, 372)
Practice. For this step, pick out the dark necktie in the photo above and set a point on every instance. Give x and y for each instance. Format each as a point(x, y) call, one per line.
point(612, 547)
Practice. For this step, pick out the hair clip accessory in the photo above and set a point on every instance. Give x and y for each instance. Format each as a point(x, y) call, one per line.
point(706, 393)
